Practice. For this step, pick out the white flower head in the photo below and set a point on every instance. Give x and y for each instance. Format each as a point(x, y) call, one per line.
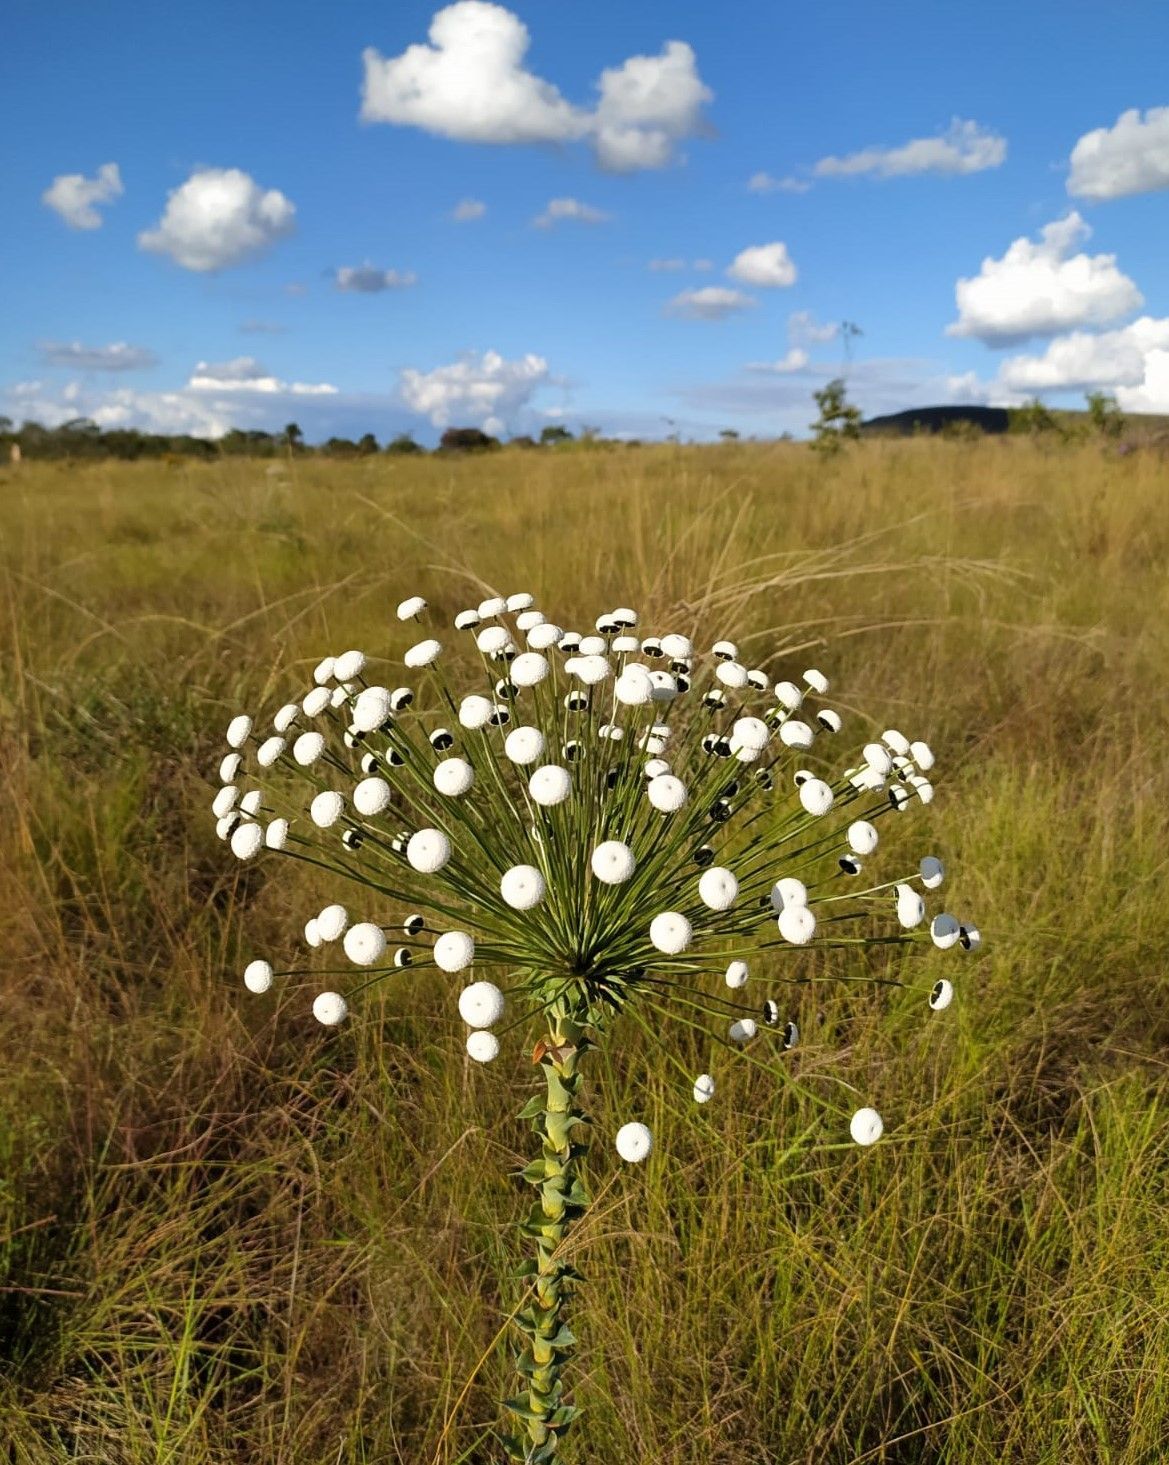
point(372, 797)
point(942, 995)
point(229, 767)
point(797, 924)
point(634, 687)
point(666, 793)
point(634, 1143)
point(364, 944)
point(372, 709)
point(247, 841)
point(816, 797)
point(866, 1126)
point(626, 645)
point(862, 837)
point(453, 951)
point(896, 742)
point(788, 695)
point(591, 669)
point(475, 711)
point(703, 1089)
point(910, 907)
point(269, 750)
point(323, 671)
point(544, 636)
point(494, 605)
point(225, 800)
point(276, 834)
point(742, 1030)
point(466, 620)
point(670, 932)
point(933, 872)
point(316, 701)
point(787, 892)
point(332, 922)
point(481, 1005)
point(330, 1008)
point(453, 777)
point(258, 976)
point(731, 673)
point(737, 973)
point(251, 802)
point(286, 716)
point(550, 785)
point(613, 862)
point(428, 850)
point(677, 648)
point(349, 664)
point(528, 669)
point(796, 734)
point(725, 651)
point(717, 888)
point(422, 653)
point(944, 930)
point(409, 609)
point(482, 1046)
point(238, 729)
point(816, 680)
point(492, 639)
point(326, 809)
point(522, 887)
point(751, 733)
point(524, 745)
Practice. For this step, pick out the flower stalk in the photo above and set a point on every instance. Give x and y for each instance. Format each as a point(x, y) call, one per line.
point(561, 1201)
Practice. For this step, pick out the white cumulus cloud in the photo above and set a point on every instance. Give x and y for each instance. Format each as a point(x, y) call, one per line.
point(1083, 360)
point(796, 359)
point(765, 265)
point(764, 182)
point(964, 148)
point(76, 198)
point(217, 218)
point(560, 209)
point(1130, 157)
point(805, 330)
point(1042, 289)
point(712, 302)
point(245, 374)
point(470, 83)
point(367, 279)
point(647, 106)
point(468, 209)
point(118, 356)
point(484, 391)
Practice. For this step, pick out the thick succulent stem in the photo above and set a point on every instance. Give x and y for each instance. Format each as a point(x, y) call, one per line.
point(561, 1201)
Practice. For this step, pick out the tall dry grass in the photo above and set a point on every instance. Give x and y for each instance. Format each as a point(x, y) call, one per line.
point(228, 1236)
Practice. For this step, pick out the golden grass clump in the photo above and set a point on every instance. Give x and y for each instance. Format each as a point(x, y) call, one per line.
point(227, 1235)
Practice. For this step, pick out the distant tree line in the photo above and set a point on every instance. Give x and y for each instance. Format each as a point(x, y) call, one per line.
point(83, 438)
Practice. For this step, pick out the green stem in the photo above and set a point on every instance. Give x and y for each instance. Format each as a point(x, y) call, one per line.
point(561, 1201)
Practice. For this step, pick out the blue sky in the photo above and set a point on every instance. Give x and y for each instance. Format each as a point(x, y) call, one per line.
point(208, 276)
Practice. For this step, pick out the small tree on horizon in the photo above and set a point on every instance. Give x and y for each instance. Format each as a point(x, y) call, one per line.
point(839, 421)
point(1105, 415)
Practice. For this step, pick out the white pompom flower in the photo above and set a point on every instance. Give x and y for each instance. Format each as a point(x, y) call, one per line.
point(258, 976)
point(482, 1046)
point(229, 767)
point(736, 974)
point(524, 745)
point(550, 785)
point(932, 871)
point(372, 796)
point(423, 653)
point(453, 777)
point(276, 834)
point(308, 748)
point(717, 888)
point(703, 1089)
point(247, 841)
point(528, 669)
point(364, 944)
point(475, 711)
point(372, 709)
point(910, 907)
point(410, 608)
point(238, 729)
point(862, 837)
point(742, 1029)
point(326, 809)
point(492, 639)
point(666, 793)
point(670, 932)
point(942, 995)
point(481, 1005)
point(453, 951)
point(944, 931)
point(332, 923)
point(797, 924)
point(428, 850)
point(866, 1126)
point(816, 797)
point(316, 701)
point(330, 1008)
point(634, 1143)
point(613, 862)
point(522, 887)
point(269, 750)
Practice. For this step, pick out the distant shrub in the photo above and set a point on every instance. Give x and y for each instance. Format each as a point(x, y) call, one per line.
point(466, 440)
point(553, 435)
point(1105, 416)
point(839, 421)
point(404, 443)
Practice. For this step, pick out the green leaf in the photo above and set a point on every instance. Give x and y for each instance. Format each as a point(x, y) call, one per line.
point(532, 1108)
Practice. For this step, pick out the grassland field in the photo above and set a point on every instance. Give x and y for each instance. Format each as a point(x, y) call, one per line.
point(228, 1235)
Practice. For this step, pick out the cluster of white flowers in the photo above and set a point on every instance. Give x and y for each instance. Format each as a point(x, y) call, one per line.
point(621, 819)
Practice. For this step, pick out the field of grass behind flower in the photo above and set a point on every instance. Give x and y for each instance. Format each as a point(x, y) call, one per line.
point(228, 1235)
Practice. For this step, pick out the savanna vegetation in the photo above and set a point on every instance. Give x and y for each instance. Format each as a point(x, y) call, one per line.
point(229, 1235)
